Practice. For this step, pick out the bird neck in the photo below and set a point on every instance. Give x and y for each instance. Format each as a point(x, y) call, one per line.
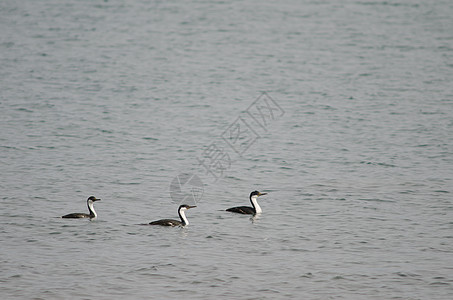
point(255, 204)
point(183, 217)
point(93, 213)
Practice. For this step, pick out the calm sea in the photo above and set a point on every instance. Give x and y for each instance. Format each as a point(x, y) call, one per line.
point(342, 111)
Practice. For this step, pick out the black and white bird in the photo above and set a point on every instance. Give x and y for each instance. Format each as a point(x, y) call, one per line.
point(173, 223)
point(247, 210)
point(91, 215)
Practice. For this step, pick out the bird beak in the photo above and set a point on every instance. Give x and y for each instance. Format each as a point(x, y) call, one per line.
point(191, 207)
point(262, 194)
point(97, 199)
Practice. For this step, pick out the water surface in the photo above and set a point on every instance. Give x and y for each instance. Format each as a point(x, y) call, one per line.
point(115, 99)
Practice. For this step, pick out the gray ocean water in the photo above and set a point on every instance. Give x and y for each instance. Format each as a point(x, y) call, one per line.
point(117, 98)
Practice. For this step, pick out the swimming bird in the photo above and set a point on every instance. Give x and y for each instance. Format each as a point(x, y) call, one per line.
point(91, 215)
point(170, 222)
point(247, 210)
